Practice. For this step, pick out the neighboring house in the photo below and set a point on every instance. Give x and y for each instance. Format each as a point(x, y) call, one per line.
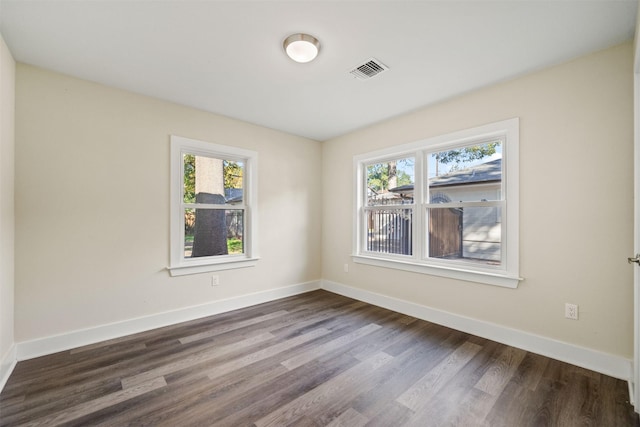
point(233, 195)
point(480, 228)
point(464, 232)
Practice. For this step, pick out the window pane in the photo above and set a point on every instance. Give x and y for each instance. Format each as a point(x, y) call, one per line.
point(389, 231)
point(390, 183)
point(472, 173)
point(212, 232)
point(471, 234)
point(212, 180)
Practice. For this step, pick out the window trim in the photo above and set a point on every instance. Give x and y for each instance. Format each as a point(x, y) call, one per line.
point(507, 275)
point(179, 265)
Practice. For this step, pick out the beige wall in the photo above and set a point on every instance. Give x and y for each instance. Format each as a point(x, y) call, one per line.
point(7, 102)
point(92, 205)
point(576, 213)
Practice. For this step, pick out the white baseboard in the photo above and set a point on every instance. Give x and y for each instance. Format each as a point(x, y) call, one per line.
point(7, 364)
point(53, 344)
point(608, 364)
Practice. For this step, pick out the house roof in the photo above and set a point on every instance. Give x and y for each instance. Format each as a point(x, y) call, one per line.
point(233, 195)
point(484, 172)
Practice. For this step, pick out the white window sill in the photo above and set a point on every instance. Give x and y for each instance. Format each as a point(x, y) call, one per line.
point(182, 270)
point(486, 278)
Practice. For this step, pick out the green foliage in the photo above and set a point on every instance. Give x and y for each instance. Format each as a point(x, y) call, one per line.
point(466, 154)
point(377, 177)
point(379, 174)
point(234, 246)
point(404, 178)
point(189, 178)
point(232, 174)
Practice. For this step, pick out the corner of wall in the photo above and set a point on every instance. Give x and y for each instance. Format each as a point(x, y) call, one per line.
point(7, 363)
point(7, 215)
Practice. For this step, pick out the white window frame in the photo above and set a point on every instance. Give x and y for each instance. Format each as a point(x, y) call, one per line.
point(507, 273)
point(179, 265)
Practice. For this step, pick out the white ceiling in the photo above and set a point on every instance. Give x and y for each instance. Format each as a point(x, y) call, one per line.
point(226, 57)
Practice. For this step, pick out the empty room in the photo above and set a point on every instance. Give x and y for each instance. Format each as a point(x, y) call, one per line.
point(319, 213)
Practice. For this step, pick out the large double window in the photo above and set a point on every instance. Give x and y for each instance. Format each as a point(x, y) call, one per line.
point(445, 206)
point(213, 206)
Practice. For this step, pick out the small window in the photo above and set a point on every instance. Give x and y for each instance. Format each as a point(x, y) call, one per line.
point(213, 207)
point(446, 206)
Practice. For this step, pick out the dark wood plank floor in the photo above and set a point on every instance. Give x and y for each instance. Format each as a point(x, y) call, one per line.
point(316, 359)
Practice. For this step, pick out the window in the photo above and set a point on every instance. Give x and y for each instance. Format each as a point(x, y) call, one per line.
point(213, 209)
point(446, 206)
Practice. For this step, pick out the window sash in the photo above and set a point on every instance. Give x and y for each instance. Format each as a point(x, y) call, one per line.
point(480, 204)
point(466, 261)
point(214, 258)
point(229, 207)
point(396, 225)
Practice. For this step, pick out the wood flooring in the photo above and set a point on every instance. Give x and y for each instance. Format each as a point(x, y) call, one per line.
point(316, 359)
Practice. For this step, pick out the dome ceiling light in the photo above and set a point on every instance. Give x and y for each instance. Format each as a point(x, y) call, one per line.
point(301, 47)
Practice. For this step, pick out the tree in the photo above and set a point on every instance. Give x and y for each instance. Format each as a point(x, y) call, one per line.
point(377, 178)
point(205, 181)
point(210, 229)
point(189, 178)
point(459, 156)
point(383, 176)
point(232, 174)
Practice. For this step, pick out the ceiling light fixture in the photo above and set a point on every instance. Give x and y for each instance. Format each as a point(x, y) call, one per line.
point(301, 47)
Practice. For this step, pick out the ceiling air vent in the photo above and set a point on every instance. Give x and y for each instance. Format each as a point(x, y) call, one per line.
point(370, 68)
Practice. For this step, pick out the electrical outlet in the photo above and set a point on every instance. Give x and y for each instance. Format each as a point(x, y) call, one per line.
point(215, 280)
point(571, 311)
point(346, 268)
